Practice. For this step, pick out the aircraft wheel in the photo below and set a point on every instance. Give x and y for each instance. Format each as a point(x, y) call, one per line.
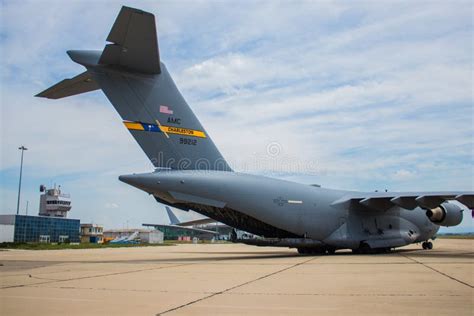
point(427, 245)
point(384, 250)
point(330, 251)
point(312, 251)
point(365, 248)
point(302, 251)
point(233, 235)
point(319, 251)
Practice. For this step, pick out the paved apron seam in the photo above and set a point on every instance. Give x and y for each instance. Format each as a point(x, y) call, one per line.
point(439, 272)
point(235, 287)
point(92, 276)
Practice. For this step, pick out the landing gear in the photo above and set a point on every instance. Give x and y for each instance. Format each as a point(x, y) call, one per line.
point(364, 248)
point(302, 251)
point(233, 235)
point(331, 251)
point(310, 251)
point(316, 251)
point(427, 245)
point(383, 250)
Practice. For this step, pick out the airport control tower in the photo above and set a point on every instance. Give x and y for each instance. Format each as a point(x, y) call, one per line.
point(54, 203)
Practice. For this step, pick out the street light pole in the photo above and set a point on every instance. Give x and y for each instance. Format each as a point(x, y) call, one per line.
point(22, 148)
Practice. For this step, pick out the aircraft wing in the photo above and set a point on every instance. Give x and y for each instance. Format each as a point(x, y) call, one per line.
point(198, 230)
point(382, 201)
point(197, 222)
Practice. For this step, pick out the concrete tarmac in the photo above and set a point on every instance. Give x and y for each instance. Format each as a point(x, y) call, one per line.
point(234, 279)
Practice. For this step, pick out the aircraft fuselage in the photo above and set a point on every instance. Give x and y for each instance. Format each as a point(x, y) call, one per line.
point(277, 208)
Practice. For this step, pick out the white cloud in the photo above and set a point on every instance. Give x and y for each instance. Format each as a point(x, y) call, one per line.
point(403, 174)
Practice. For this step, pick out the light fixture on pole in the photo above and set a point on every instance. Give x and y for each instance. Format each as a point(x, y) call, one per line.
point(22, 148)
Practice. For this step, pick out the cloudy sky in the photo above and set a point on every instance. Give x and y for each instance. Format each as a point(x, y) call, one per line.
point(353, 95)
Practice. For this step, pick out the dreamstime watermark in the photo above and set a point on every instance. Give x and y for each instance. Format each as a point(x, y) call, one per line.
point(277, 162)
point(273, 149)
point(273, 162)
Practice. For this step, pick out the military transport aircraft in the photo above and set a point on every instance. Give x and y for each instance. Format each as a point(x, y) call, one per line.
point(177, 228)
point(192, 174)
point(223, 231)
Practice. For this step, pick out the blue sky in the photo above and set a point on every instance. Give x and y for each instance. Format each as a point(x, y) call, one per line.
point(354, 95)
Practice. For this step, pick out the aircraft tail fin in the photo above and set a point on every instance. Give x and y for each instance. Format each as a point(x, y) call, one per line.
point(173, 219)
point(134, 44)
point(142, 91)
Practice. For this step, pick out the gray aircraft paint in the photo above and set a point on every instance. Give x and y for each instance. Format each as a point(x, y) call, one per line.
point(173, 219)
point(266, 200)
point(192, 174)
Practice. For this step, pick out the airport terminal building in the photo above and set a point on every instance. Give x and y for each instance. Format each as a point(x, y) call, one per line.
point(52, 224)
point(25, 228)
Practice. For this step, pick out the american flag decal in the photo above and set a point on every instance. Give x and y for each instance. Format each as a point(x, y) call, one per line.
point(164, 109)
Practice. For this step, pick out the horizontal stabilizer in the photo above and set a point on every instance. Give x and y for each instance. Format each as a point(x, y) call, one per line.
point(79, 84)
point(134, 42)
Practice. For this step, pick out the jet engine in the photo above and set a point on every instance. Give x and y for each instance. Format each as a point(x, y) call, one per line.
point(446, 214)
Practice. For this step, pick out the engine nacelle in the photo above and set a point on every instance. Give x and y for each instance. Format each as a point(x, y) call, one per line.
point(446, 214)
